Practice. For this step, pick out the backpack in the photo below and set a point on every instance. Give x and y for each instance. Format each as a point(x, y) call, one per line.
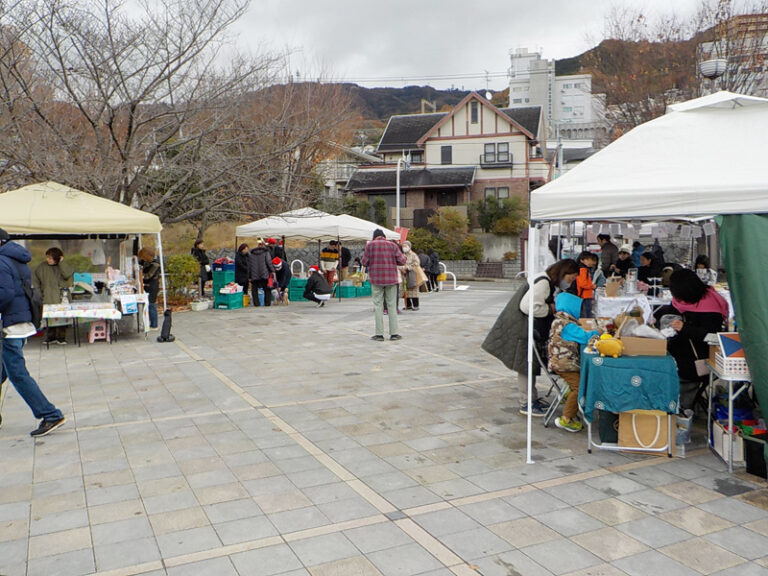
point(33, 296)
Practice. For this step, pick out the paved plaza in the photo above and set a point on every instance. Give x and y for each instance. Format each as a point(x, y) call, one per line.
point(283, 441)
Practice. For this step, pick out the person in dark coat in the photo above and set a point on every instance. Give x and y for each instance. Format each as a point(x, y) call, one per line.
point(283, 277)
point(624, 263)
point(17, 327)
point(241, 266)
point(434, 270)
point(260, 268)
point(317, 288)
point(508, 339)
point(649, 268)
point(700, 311)
point(198, 251)
point(609, 253)
point(150, 273)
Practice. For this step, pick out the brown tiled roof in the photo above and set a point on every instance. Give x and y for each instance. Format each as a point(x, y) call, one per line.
point(363, 180)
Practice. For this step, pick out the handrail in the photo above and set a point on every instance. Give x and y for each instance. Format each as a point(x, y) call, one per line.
point(301, 264)
point(445, 271)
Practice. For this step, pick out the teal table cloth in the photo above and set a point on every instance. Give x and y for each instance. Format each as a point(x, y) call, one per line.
point(628, 383)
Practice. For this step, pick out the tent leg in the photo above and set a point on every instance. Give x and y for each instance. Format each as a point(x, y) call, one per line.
point(531, 266)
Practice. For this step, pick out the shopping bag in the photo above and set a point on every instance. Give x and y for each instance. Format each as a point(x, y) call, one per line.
point(442, 277)
point(643, 429)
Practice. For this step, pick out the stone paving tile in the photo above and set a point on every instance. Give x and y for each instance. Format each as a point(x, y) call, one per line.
point(212, 567)
point(512, 562)
point(177, 520)
point(72, 563)
point(377, 537)
point(734, 510)
point(601, 570)
point(323, 549)
point(127, 553)
point(405, 560)
point(653, 563)
point(609, 544)
point(475, 543)
point(52, 523)
point(355, 566)
point(266, 561)
point(654, 532)
point(696, 521)
point(689, 492)
point(611, 511)
point(750, 569)
point(569, 556)
point(702, 556)
point(524, 532)
point(114, 532)
point(740, 541)
point(569, 522)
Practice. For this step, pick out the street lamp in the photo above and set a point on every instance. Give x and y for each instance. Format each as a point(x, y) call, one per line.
point(397, 185)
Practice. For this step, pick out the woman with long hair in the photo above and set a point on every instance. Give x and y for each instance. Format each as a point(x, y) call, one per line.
point(508, 339)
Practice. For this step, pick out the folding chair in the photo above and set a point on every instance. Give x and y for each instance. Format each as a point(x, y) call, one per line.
point(561, 387)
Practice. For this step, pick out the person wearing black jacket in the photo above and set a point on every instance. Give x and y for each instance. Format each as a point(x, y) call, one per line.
point(241, 266)
point(150, 273)
point(317, 288)
point(198, 251)
point(699, 310)
point(282, 278)
point(260, 268)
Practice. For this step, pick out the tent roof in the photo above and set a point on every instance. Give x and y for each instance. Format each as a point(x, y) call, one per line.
point(313, 225)
point(51, 208)
point(704, 157)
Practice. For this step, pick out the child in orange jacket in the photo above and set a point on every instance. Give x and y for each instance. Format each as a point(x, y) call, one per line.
point(585, 288)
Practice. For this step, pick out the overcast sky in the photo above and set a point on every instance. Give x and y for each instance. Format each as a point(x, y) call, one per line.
point(435, 42)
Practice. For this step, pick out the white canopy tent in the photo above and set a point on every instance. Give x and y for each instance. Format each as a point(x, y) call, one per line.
point(687, 163)
point(313, 225)
point(705, 156)
point(49, 210)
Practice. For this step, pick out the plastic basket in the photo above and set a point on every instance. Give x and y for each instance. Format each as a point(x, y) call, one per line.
point(223, 267)
point(348, 291)
point(228, 301)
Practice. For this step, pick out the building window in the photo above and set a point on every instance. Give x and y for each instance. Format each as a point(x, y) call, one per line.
point(502, 152)
point(474, 109)
point(499, 193)
point(417, 157)
point(517, 100)
point(567, 109)
point(446, 155)
point(496, 154)
point(489, 157)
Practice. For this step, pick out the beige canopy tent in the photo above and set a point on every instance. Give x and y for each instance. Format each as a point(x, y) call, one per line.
point(50, 210)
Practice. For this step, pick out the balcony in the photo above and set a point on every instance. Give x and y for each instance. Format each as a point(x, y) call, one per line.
point(498, 160)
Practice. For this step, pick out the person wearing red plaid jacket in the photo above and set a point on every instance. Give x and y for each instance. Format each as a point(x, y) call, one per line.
point(381, 259)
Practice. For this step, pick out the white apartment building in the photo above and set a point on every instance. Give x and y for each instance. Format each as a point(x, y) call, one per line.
point(571, 111)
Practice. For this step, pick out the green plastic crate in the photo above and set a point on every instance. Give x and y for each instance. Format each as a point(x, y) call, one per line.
point(364, 290)
point(348, 291)
point(222, 277)
point(228, 301)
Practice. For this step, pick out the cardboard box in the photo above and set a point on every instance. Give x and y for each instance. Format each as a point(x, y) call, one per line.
point(722, 445)
point(588, 323)
point(712, 351)
point(644, 346)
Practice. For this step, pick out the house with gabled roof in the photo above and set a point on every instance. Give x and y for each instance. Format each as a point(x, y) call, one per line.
point(473, 152)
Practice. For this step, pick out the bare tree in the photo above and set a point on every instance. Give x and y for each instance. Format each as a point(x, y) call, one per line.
point(145, 108)
point(643, 66)
point(740, 39)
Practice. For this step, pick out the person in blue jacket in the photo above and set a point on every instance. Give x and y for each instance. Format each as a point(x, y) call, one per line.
point(17, 326)
point(565, 340)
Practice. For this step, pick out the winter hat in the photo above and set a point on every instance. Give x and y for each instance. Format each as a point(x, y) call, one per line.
point(626, 248)
point(4, 236)
point(271, 242)
point(378, 232)
point(277, 263)
point(314, 269)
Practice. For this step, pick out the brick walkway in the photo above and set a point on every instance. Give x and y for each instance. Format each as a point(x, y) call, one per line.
point(283, 441)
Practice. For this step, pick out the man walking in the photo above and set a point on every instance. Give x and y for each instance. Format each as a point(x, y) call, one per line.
point(381, 258)
point(609, 253)
point(17, 326)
